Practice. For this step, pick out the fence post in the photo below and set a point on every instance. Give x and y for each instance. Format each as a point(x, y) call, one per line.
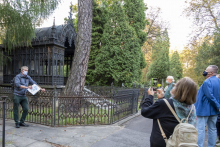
point(3, 121)
point(137, 100)
point(112, 102)
point(54, 105)
point(132, 101)
point(111, 117)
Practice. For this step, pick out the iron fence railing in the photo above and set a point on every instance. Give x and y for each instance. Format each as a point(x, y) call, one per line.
point(95, 106)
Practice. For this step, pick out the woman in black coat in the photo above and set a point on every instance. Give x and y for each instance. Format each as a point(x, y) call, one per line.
point(183, 98)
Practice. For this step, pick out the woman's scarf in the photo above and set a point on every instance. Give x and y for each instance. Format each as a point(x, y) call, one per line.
point(182, 111)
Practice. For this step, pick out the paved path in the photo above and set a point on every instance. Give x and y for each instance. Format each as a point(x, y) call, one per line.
point(136, 133)
point(129, 132)
point(43, 136)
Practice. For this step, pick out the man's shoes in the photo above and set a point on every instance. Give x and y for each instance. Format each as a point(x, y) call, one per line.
point(17, 126)
point(23, 125)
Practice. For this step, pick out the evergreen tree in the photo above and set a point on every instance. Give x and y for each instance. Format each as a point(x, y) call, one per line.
point(214, 51)
point(176, 69)
point(120, 59)
point(19, 18)
point(135, 10)
point(159, 66)
point(100, 16)
point(207, 54)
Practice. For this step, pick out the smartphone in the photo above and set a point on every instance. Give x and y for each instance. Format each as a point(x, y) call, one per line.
point(154, 83)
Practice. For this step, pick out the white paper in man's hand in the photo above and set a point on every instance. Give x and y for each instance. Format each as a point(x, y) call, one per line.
point(34, 89)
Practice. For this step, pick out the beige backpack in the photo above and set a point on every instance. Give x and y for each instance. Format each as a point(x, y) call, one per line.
point(184, 134)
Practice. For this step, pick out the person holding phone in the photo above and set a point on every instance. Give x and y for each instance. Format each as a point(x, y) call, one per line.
point(184, 96)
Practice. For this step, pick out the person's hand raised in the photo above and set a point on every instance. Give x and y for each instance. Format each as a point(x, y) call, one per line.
point(150, 91)
point(160, 93)
point(42, 89)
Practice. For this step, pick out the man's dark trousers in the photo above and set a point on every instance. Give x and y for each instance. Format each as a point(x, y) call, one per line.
point(24, 103)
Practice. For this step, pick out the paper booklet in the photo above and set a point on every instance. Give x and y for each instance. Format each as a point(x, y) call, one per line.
point(34, 89)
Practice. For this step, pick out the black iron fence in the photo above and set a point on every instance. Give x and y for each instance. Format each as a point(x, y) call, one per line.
point(95, 106)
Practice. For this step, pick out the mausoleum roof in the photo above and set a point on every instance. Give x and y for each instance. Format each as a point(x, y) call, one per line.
point(55, 34)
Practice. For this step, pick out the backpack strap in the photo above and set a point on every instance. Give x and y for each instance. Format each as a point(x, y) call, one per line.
point(189, 114)
point(171, 109)
point(162, 132)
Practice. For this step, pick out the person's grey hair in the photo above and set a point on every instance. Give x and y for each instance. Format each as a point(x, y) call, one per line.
point(23, 67)
point(214, 68)
point(218, 76)
point(171, 77)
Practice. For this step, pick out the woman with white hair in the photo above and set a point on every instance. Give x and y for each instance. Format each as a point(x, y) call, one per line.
point(170, 80)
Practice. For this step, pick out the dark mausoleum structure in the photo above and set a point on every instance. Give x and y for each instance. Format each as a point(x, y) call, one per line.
point(49, 58)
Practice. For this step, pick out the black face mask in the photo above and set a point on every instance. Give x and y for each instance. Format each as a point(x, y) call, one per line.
point(205, 73)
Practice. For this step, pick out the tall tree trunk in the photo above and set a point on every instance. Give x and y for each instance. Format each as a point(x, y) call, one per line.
point(77, 76)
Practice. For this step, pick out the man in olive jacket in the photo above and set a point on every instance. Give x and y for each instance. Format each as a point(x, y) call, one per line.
point(208, 106)
point(21, 83)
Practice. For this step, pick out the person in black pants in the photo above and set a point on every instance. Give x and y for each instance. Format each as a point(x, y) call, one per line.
point(218, 120)
point(218, 128)
point(184, 96)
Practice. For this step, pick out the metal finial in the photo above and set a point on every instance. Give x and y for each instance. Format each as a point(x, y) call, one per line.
point(53, 21)
point(53, 32)
point(71, 10)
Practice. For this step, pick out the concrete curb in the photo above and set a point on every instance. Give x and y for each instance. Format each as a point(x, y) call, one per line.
point(123, 121)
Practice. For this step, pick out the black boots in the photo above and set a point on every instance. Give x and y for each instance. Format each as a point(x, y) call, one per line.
point(17, 126)
point(23, 125)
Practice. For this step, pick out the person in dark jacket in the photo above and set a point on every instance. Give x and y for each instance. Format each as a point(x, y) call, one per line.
point(182, 100)
point(21, 83)
point(218, 120)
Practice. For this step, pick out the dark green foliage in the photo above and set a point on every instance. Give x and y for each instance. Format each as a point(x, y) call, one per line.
point(159, 66)
point(214, 52)
point(100, 16)
point(208, 54)
point(120, 59)
point(135, 10)
point(203, 58)
point(19, 18)
point(176, 69)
